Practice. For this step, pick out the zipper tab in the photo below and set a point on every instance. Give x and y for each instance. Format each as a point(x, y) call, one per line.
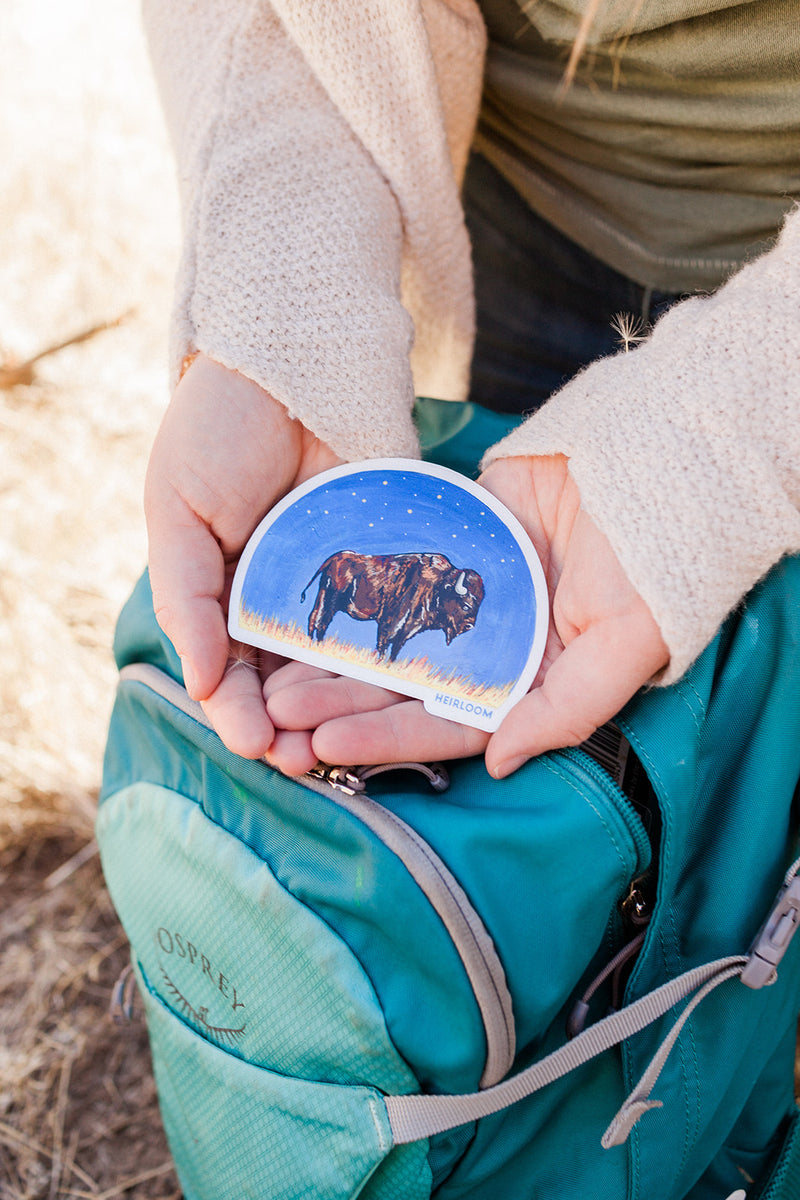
point(353, 780)
point(636, 907)
point(342, 778)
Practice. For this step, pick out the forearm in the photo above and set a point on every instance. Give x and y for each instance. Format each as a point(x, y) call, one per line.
point(686, 450)
point(292, 257)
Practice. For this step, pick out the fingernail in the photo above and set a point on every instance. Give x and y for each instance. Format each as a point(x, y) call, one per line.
point(189, 677)
point(509, 766)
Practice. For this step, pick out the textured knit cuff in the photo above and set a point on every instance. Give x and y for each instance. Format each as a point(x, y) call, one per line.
point(686, 451)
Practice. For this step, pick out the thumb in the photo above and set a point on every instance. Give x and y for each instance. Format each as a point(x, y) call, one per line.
point(586, 685)
point(187, 576)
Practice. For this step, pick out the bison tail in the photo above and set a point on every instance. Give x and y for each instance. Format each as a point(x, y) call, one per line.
point(308, 585)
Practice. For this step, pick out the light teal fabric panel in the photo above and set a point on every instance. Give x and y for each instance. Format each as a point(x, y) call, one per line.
point(233, 954)
point(238, 1131)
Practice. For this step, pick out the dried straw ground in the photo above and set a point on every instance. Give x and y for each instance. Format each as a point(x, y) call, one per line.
point(87, 239)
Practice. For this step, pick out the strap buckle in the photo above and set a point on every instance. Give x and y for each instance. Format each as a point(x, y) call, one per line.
point(772, 940)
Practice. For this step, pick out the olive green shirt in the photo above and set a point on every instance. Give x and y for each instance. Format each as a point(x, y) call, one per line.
point(675, 153)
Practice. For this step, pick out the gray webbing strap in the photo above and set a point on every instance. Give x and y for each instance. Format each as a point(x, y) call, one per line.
point(639, 1101)
point(415, 1117)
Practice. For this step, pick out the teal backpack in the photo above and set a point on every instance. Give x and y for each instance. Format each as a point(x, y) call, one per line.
point(404, 982)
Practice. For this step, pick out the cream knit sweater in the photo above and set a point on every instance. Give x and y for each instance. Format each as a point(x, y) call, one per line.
point(320, 148)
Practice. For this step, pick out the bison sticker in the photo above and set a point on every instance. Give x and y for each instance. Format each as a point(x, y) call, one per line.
point(405, 593)
point(404, 575)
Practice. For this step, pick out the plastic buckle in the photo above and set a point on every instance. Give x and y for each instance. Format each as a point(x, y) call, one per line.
point(772, 940)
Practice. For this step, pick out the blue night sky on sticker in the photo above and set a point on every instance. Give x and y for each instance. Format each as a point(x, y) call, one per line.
point(391, 511)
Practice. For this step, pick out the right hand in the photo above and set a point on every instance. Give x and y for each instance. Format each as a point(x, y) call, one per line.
point(226, 452)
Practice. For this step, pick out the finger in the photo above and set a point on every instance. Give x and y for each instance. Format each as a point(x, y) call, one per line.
point(291, 752)
point(187, 576)
point(236, 710)
point(399, 733)
point(542, 495)
point(291, 673)
point(587, 685)
point(312, 702)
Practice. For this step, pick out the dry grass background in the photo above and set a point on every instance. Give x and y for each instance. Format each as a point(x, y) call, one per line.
point(88, 237)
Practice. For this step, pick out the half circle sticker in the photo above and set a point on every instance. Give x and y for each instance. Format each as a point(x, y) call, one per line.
point(402, 574)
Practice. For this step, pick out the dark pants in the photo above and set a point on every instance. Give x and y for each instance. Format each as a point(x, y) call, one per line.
point(544, 311)
point(544, 305)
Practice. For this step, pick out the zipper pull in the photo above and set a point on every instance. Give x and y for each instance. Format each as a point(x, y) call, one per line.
point(636, 907)
point(576, 1021)
point(353, 780)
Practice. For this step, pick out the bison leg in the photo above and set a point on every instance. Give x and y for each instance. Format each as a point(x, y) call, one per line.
point(399, 635)
point(382, 643)
point(323, 612)
point(397, 645)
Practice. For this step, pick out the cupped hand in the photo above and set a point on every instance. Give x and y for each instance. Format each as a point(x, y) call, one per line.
point(225, 453)
point(603, 645)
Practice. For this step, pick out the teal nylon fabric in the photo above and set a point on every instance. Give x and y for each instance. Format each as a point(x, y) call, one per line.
point(456, 435)
point(730, 830)
point(722, 749)
point(784, 1175)
point(544, 857)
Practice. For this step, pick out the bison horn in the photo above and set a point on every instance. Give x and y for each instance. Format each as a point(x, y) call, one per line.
point(460, 589)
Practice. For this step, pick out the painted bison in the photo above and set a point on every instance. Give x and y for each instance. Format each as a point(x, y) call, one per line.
point(405, 593)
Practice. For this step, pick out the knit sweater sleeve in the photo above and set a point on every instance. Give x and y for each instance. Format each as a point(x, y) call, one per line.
point(292, 251)
point(686, 450)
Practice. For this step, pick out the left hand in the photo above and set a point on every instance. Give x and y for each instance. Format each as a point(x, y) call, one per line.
point(226, 452)
point(603, 645)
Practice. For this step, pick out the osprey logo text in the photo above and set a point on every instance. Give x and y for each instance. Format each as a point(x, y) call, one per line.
point(188, 972)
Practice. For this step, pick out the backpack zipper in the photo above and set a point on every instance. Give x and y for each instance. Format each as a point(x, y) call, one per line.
point(353, 780)
point(473, 944)
point(578, 758)
point(609, 759)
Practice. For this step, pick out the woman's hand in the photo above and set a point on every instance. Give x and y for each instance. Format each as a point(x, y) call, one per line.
point(603, 644)
point(225, 453)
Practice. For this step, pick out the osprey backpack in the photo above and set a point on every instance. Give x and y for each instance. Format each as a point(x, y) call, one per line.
point(410, 981)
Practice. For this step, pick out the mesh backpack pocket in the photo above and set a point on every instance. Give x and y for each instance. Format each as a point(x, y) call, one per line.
point(270, 1074)
point(302, 1138)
